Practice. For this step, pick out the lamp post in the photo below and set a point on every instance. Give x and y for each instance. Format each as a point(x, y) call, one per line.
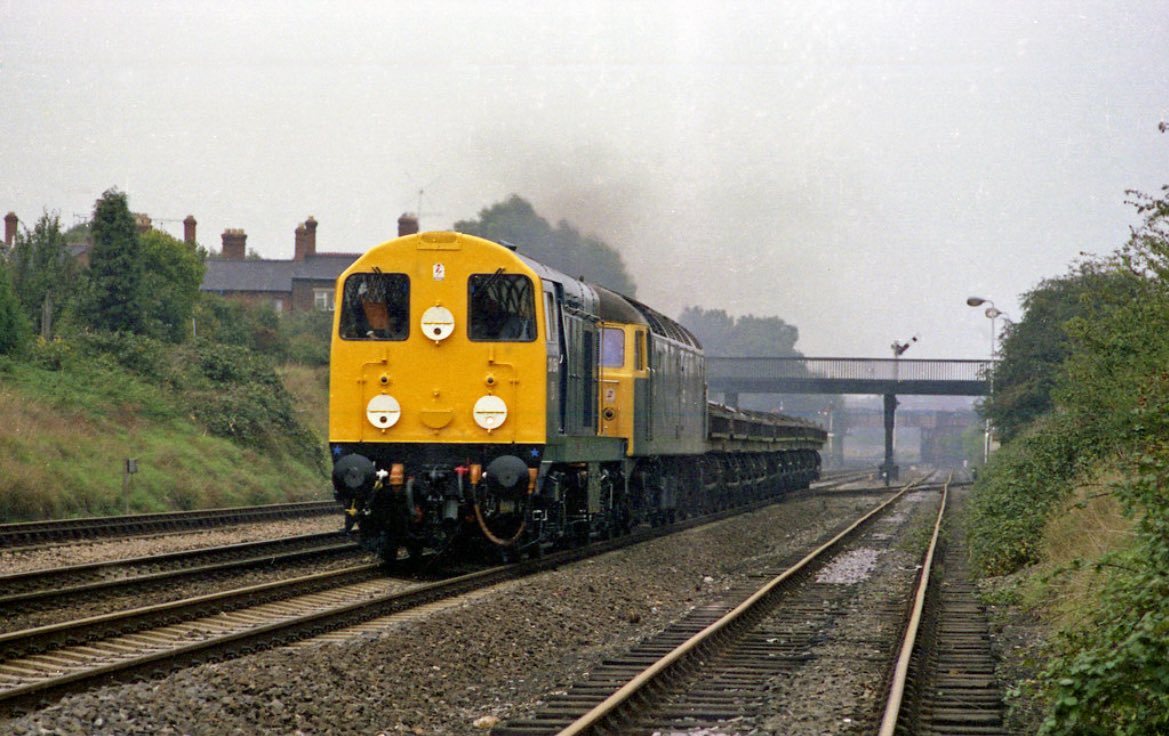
point(993, 313)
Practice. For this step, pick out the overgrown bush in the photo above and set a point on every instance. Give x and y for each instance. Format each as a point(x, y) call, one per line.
point(231, 390)
point(51, 354)
point(234, 322)
point(1017, 491)
point(1110, 675)
point(299, 337)
point(241, 397)
point(145, 357)
point(306, 337)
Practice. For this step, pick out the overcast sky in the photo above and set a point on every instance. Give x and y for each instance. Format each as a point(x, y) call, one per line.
point(855, 168)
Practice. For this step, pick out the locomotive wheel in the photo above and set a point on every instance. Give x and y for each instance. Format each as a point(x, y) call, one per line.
point(414, 554)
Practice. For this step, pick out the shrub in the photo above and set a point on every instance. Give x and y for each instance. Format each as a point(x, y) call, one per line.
point(305, 337)
point(1108, 671)
point(145, 357)
point(1016, 492)
point(51, 354)
point(1111, 674)
point(241, 397)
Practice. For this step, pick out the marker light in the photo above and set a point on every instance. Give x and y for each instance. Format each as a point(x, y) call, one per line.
point(383, 411)
point(490, 412)
point(438, 323)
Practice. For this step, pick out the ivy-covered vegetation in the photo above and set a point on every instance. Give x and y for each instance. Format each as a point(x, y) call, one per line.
point(67, 430)
point(1025, 482)
point(1108, 430)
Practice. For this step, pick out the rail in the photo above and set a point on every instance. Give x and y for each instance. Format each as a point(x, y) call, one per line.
point(901, 668)
point(29, 533)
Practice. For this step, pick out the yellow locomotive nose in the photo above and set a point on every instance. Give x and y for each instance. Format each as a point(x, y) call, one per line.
point(437, 341)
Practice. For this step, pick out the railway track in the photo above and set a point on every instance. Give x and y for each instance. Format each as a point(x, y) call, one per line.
point(723, 668)
point(32, 534)
point(84, 585)
point(39, 663)
point(49, 658)
point(944, 682)
point(726, 666)
point(27, 534)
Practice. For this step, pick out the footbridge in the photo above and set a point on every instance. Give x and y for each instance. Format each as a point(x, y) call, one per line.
point(870, 376)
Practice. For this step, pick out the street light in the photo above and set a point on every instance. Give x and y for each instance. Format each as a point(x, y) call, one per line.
point(993, 313)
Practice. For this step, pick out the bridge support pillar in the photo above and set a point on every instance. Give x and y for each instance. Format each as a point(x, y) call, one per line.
point(889, 470)
point(731, 399)
point(836, 431)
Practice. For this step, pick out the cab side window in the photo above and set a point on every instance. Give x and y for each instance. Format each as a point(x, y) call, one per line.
point(612, 347)
point(552, 326)
point(376, 306)
point(501, 308)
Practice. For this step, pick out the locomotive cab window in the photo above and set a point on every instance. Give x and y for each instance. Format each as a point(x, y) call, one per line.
point(502, 307)
point(376, 306)
point(612, 347)
point(552, 328)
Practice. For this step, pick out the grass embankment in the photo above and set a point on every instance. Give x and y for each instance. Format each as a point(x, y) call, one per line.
point(209, 425)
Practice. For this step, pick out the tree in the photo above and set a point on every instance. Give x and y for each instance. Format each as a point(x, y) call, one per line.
point(753, 337)
point(742, 337)
point(564, 248)
point(13, 322)
point(42, 271)
point(114, 281)
point(1035, 348)
point(173, 271)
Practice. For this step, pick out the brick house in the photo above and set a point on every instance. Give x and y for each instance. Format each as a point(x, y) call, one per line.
point(305, 282)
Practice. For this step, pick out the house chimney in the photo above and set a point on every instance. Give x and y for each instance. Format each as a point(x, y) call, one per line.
point(407, 224)
point(310, 236)
point(300, 243)
point(235, 242)
point(10, 221)
point(142, 223)
point(189, 230)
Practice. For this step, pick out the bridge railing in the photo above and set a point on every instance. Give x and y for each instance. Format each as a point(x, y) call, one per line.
point(874, 369)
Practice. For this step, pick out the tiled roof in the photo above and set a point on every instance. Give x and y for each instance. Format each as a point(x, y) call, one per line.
point(273, 276)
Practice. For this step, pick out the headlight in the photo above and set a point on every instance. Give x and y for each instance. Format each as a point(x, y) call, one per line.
point(490, 412)
point(383, 411)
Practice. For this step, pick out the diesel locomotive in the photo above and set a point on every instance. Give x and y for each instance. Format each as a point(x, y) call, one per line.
point(481, 400)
